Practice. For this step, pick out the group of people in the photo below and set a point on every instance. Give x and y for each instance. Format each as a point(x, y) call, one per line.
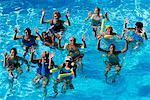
point(52, 38)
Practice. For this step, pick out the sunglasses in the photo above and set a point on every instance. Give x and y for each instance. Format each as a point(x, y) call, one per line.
point(67, 60)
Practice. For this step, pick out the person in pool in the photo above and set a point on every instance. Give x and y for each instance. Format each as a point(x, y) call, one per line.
point(67, 72)
point(112, 56)
point(108, 34)
point(138, 35)
point(46, 39)
point(28, 40)
point(57, 25)
point(96, 20)
point(11, 62)
point(73, 49)
point(45, 63)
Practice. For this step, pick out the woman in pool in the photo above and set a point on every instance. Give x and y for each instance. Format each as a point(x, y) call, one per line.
point(73, 49)
point(112, 56)
point(138, 35)
point(57, 24)
point(108, 34)
point(28, 40)
point(45, 63)
point(96, 20)
point(46, 39)
point(67, 71)
point(11, 62)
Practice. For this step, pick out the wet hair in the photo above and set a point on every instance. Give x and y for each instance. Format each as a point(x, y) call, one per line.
point(15, 51)
point(43, 33)
point(57, 13)
point(139, 24)
point(114, 47)
point(109, 27)
point(28, 30)
point(97, 9)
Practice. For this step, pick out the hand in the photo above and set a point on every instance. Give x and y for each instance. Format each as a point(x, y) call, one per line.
point(51, 55)
point(125, 21)
point(59, 37)
point(83, 37)
point(32, 50)
point(36, 30)
point(98, 37)
point(5, 55)
point(43, 12)
point(106, 15)
point(125, 30)
point(67, 12)
point(16, 30)
point(90, 14)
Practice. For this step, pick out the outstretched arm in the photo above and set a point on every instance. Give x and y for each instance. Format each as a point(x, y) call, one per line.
point(15, 37)
point(89, 16)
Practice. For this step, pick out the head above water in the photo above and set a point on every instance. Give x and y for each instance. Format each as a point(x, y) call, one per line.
point(97, 10)
point(139, 25)
point(44, 34)
point(112, 48)
point(13, 52)
point(109, 28)
point(27, 31)
point(72, 40)
point(56, 15)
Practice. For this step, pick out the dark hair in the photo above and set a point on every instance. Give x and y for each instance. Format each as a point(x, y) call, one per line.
point(114, 47)
point(139, 24)
point(29, 31)
point(98, 10)
point(15, 51)
point(43, 33)
point(57, 13)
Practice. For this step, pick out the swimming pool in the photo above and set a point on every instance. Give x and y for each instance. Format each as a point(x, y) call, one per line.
point(133, 82)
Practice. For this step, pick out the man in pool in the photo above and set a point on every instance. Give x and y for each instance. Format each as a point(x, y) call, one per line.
point(112, 56)
point(138, 35)
point(45, 63)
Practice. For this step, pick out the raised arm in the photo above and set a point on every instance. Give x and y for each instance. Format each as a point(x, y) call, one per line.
point(99, 48)
point(37, 33)
point(31, 57)
point(67, 17)
point(126, 46)
point(89, 16)
point(42, 21)
point(15, 37)
point(5, 59)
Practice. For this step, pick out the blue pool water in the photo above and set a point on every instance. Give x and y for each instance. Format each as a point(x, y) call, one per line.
point(133, 82)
